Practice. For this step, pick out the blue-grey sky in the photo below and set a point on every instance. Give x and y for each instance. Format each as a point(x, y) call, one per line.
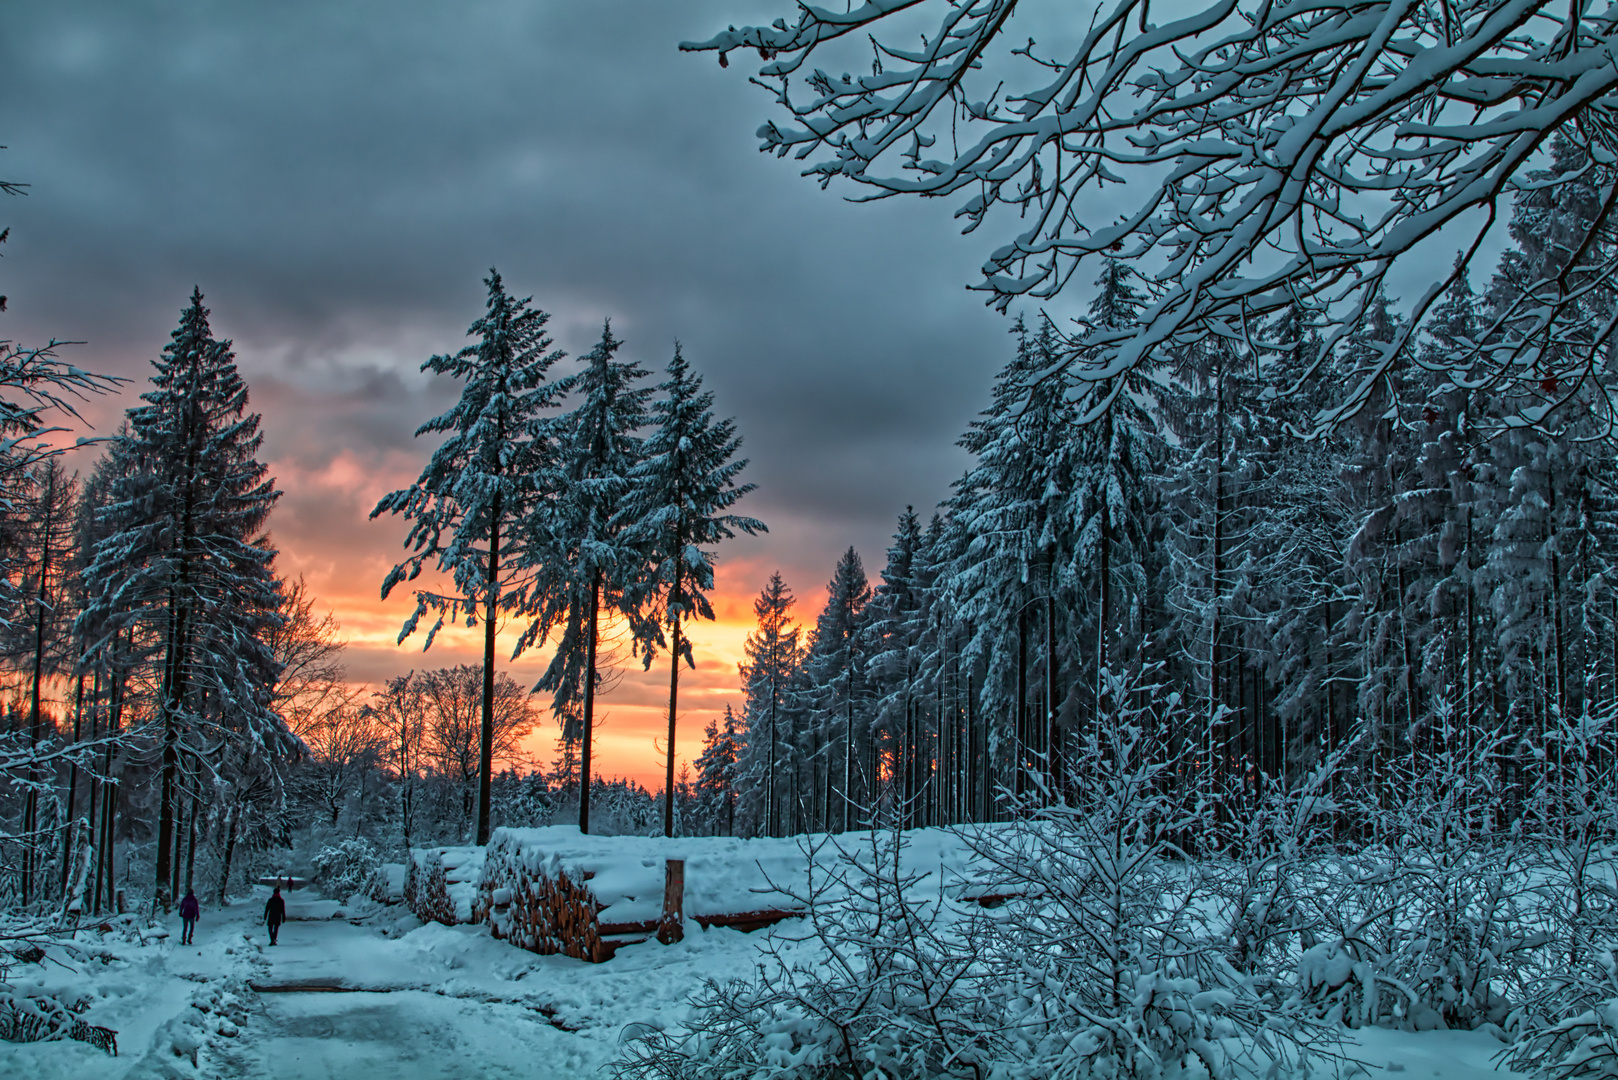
point(338, 178)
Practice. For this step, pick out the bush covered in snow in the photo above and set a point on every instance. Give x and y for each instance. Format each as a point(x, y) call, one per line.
point(1571, 1030)
point(1105, 960)
point(345, 868)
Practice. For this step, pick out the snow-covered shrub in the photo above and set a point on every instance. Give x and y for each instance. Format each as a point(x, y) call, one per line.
point(1265, 878)
point(1572, 814)
point(901, 987)
point(31, 1012)
point(1571, 1028)
point(42, 1017)
point(381, 885)
point(1114, 961)
point(345, 868)
point(1430, 926)
point(1103, 962)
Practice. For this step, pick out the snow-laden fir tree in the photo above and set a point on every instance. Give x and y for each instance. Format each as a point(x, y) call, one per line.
point(675, 512)
point(839, 724)
point(1014, 507)
point(1116, 449)
point(722, 747)
point(186, 563)
point(477, 508)
point(769, 676)
point(895, 627)
point(589, 565)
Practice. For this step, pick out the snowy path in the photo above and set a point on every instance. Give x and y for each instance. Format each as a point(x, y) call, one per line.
point(395, 1018)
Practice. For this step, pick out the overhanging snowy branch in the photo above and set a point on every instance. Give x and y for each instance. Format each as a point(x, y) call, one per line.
point(1264, 155)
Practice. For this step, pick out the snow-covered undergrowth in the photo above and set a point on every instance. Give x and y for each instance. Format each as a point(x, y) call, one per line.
point(1145, 936)
point(345, 868)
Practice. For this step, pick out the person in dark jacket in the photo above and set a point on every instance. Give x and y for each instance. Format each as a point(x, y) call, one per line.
point(275, 913)
point(189, 910)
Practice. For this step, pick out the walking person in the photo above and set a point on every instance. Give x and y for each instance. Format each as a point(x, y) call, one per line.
point(275, 913)
point(189, 910)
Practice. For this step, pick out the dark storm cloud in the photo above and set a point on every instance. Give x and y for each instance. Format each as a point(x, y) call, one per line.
point(338, 177)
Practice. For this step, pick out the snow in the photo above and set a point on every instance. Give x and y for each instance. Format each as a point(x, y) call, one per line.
point(374, 994)
point(364, 992)
point(723, 875)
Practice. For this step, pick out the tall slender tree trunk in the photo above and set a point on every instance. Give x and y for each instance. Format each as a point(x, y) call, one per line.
point(848, 739)
point(486, 741)
point(179, 839)
point(674, 701)
point(772, 810)
point(232, 823)
point(35, 722)
point(1556, 597)
point(1049, 734)
point(68, 832)
point(109, 803)
point(191, 845)
point(92, 817)
point(1024, 763)
point(589, 703)
point(173, 693)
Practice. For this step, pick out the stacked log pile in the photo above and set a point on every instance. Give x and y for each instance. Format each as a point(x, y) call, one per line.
point(441, 884)
point(545, 907)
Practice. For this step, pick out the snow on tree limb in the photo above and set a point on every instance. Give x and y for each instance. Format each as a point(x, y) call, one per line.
point(1269, 154)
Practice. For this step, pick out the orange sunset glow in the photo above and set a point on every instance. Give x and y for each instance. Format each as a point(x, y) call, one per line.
point(323, 533)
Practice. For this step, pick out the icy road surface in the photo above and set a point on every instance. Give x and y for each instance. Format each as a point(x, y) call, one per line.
point(386, 998)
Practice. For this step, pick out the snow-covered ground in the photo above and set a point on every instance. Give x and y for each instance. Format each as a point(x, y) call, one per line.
point(381, 997)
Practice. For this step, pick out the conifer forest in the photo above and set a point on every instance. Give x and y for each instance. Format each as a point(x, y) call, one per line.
point(1242, 702)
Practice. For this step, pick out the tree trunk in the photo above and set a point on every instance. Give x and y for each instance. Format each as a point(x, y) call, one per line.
point(1023, 761)
point(31, 799)
point(1050, 689)
point(93, 817)
point(232, 818)
point(68, 832)
point(589, 703)
point(486, 742)
point(674, 700)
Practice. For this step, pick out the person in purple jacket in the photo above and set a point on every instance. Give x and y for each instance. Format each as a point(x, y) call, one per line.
point(189, 910)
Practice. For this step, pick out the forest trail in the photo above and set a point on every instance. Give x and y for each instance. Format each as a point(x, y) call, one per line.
point(339, 1000)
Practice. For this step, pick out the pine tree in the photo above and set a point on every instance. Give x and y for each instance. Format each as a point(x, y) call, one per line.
point(1115, 451)
point(483, 483)
point(895, 615)
point(774, 658)
point(835, 666)
point(588, 562)
point(675, 511)
point(186, 562)
point(722, 749)
point(1014, 507)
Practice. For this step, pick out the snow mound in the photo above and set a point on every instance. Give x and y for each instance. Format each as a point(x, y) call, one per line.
point(554, 889)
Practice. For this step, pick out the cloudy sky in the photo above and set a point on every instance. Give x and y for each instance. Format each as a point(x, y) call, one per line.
point(339, 177)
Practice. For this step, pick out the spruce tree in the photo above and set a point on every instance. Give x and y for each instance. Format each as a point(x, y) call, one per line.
point(835, 666)
point(588, 562)
point(895, 633)
point(722, 748)
point(674, 513)
point(474, 504)
point(774, 658)
point(185, 562)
